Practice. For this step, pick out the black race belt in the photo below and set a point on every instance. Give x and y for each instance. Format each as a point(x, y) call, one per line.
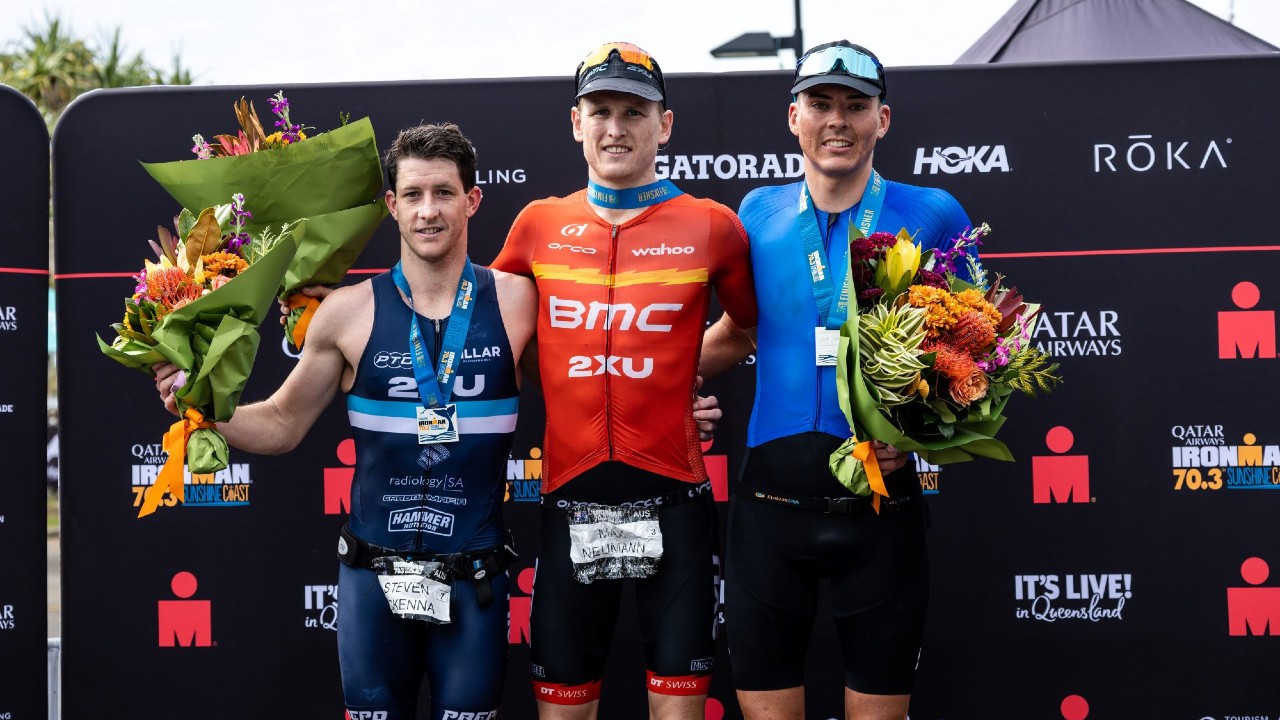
point(844, 505)
point(675, 497)
point(478, 566)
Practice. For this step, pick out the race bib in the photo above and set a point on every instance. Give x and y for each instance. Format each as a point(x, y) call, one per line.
point(414, 590)
point(612, 543)
point(826, 345)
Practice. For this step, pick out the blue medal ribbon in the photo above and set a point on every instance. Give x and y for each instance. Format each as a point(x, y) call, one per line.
point(632, 198)
point(833, 310)
point(436, 386)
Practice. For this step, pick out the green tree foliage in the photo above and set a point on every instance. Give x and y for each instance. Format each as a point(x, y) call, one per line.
point(50, 65)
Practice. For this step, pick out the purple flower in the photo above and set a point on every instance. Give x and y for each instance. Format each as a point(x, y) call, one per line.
point(201, 148)
point(933, 279)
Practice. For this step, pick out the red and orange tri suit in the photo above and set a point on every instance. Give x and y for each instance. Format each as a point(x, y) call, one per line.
point(621, 311)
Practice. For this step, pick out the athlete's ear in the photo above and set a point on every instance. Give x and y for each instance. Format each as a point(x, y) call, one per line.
point(884, 120)
point(474, 196)
point(667, 120)
point(793, 119)
point(390, 199)
point(575, 119)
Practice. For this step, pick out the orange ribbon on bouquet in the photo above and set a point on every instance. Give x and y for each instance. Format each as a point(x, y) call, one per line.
point(866, 453)
point(295, 301)
point(170, 479)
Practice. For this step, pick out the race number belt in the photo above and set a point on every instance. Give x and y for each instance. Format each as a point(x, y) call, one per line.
point(615, 542)
point(478, 566)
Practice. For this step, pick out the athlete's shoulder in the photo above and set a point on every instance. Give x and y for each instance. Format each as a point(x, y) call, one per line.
point(692, 201)
point(766, 201)
point(343, 319)
point(511, 286)
point(722, 221)
point(928, 206)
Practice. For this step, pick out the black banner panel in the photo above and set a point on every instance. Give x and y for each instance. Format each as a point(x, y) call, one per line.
point(1120, 568)
point(24, 341)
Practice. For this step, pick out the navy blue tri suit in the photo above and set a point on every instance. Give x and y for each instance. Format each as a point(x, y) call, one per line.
point(776, 555)
point(451, 506)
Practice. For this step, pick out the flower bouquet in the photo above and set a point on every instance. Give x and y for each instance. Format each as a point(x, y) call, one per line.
point(333, 179)
point(929, 361)
point(199, 307)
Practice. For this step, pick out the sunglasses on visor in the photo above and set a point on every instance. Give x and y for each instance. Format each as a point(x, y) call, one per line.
point(626, 51)
point(855, 63)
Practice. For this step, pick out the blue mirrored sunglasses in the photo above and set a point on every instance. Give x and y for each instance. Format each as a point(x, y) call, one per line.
point(827, 60)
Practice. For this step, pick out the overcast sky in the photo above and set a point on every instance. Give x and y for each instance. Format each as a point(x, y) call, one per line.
point(328, 41)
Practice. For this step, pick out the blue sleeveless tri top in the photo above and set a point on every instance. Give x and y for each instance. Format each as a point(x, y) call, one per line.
point(441, 498)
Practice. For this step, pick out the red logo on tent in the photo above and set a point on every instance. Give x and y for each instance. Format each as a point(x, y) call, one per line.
point(1074, 707)
point(1060, 478)
point(184, 622)
point(337, 480)
point(1246, 333)
point(1253, 610)
point(520, 608)
point(717, 471)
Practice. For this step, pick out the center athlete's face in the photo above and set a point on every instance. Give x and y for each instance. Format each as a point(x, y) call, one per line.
point(620, 136)
point(838, 128)
point(431, 207)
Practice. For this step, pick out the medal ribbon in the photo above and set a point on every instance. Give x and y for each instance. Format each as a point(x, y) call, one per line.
point(632, 198)
point(436, 386)
point(833, 310)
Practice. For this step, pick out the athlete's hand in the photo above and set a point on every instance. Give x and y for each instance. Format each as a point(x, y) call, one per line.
point(168, 379)
point(706, 412)
point(319, 292)
point(889, 457)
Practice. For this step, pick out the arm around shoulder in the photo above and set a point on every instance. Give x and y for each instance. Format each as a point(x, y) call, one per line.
point(518, 303)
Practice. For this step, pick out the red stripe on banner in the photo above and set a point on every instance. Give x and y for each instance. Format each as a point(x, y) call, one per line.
point(84, 276)
point(24, 271)
point(1135, 251)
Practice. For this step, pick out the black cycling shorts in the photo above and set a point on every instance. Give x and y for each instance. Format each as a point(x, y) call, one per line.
point(776, 556)
point(571, 624)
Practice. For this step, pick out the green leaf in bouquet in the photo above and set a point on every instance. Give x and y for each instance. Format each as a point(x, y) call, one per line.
point(216, 335)
point(207, 451)
point(205, 237)
point(332, 244)
point(943, 410)
point(186, 221)
point(332, 171)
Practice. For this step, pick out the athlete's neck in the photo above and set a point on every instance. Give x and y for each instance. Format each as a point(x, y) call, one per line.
point(836, 193)
point(434, 282)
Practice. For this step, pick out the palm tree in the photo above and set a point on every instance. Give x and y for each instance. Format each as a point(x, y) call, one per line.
point(112, 70)
point(49, 66)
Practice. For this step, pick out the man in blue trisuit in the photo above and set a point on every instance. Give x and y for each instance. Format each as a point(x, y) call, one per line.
point(791, 523)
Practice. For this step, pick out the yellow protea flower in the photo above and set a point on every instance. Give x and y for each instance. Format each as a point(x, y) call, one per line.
point(899, 266)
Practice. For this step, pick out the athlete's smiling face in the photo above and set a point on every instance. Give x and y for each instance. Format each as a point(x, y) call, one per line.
point(431, 207)
point(838, 128)
point(620, 136)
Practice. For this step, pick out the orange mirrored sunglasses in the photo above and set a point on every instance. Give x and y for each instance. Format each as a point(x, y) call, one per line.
point(628, 52)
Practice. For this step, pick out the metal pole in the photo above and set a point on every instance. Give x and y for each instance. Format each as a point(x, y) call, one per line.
point(798, 37)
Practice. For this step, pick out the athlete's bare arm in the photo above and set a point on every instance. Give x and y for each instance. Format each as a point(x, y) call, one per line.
point(724, 345)
point(335, 341)
point(518, 303)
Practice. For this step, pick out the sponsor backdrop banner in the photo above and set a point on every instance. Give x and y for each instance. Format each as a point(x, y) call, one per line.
point(1121, 568)
point(24, 322)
